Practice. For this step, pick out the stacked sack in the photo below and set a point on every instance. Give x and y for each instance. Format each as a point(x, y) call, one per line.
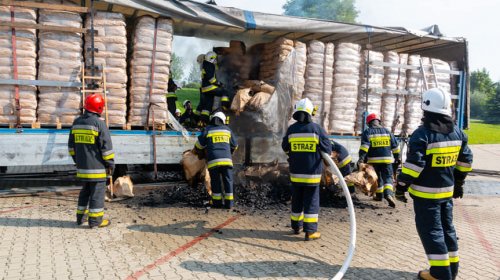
point(300, 70)
point(272, 57)
point(111, 41)
point(319, 79)
point(141, 67)
point(393, 102)
point(413, 103)
point(59, 59)
point(26, 66)
point(345, 88)
point(375, 83)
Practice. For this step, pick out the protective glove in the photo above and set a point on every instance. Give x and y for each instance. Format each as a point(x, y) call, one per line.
point(358, 164)
point(458, 190)
point(400, 192)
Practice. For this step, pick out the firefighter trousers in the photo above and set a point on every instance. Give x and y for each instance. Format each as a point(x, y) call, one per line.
point(384, 173)
point(305, 207)
point(171, 105)
point(221, 177)
point(91, 201)
point(434, 221)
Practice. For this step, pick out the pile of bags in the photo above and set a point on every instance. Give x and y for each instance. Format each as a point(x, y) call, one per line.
point(111, 41)
point(252, 95)
point(319, 79)
point(392, 112)
point(413, 104)
point(345, 88)
point(59, 59)
point(141, 66)
point(375, 83)
point(273, 55)
point(26, 42)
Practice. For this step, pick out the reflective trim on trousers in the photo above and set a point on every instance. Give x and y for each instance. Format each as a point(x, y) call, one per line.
point(311, 218)
point(431, 193)
point(297, 217)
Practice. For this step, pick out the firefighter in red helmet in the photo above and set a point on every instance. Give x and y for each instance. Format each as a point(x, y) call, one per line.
point(378, 147)
point(90, 147)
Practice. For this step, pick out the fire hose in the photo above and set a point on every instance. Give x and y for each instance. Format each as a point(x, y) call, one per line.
point(352, 219)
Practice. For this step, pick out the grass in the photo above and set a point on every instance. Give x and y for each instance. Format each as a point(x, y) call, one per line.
point(192, 94)
point(481, 133)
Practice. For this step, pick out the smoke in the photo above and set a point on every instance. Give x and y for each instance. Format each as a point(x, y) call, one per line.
point(189, 48)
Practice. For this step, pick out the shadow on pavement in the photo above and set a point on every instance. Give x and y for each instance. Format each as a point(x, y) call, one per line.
point(288, 269)
point(25, 222)
point(196, 228)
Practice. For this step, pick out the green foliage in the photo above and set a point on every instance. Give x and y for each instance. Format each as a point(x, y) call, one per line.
point(176, 67)
point(478, 103)
point(493, 106)
point(480, 81)
point(481, 133)
point(192, 85)
point(336, 10)
point(192, 94)
point(194, 73)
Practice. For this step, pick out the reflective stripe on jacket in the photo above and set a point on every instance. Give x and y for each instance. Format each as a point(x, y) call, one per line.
point(219, 142)
point(304, 143)
point(208, 79)
point(343, 158)
point(434, 160)
point(90, 146)
point(378, 145)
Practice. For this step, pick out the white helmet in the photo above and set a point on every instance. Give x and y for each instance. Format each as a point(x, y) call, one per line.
point(186, 102)
point(200, 58)
point(437, 101)
point(211, 57)
point(304, 105)
point(219, 115)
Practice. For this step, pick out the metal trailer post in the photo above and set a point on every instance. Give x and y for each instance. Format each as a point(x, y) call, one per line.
point(459, 105)
point(462, 97)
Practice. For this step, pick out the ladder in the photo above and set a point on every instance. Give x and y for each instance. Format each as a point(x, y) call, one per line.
point(432, 73)
point(95, 84)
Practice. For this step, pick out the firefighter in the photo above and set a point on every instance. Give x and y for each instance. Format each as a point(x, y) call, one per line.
point(188, 118)
point(304, 141)
point(171, 96)
point(219, 143)
point(436, 166)
point(91, 148)
point(344, 162)
point(378, 147)
point(210, 87)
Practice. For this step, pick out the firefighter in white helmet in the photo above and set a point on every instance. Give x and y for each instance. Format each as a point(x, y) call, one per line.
point(437, 163)
point(210, 87)
point(304, 141)
point(219, 143)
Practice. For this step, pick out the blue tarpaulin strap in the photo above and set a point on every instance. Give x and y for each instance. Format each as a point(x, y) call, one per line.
point(250, 20)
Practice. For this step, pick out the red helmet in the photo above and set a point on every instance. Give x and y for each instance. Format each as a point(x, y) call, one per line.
point(94, 103)
point(371, 117)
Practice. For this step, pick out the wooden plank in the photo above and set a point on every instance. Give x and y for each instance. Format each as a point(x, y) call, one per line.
point(40, 83)
point(38, 5)
point(4, 25)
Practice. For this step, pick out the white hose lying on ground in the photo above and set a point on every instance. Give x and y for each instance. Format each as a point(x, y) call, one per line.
point(352, 219)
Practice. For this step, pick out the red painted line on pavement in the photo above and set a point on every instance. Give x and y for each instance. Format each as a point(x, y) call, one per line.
point(180, 250)
point(479, 234)
point(15, 209)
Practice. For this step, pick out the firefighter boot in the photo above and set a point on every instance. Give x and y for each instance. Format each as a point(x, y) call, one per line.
point(296, 231)
point(425, 275)
point(104, 223)
point(377, 197)
point(313, 236)
point(82, 218)
point(391, 201)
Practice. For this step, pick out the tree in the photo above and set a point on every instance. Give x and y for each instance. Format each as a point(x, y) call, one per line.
point(480, 81)
point(176, 67)
point(493, 106)
point(337, 10)
point(194, 73)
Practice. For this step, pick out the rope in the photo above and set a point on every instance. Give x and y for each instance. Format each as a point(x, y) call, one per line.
point(14, 62)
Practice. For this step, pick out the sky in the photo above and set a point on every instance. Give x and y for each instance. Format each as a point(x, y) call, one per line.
point(477, 21)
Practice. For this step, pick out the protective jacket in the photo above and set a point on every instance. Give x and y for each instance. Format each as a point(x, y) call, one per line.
point(304, 143)
point(434, 161)
point(171, 89)
point(378, 145)
point(90, 146)
point(344, 158)
point(219, 142)
point(208, 79)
